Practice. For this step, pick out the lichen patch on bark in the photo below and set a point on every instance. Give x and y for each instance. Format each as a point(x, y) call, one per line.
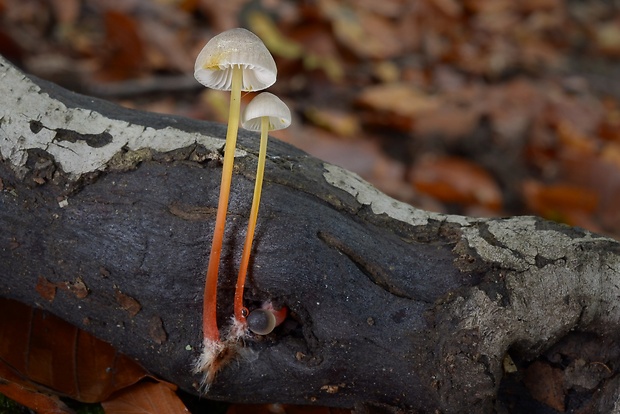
point(380, 203)
point(81, 140)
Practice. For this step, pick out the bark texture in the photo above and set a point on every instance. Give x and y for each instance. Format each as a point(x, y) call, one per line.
point(106, 216)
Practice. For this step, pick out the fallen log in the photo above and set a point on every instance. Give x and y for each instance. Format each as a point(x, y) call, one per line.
point(107, 213)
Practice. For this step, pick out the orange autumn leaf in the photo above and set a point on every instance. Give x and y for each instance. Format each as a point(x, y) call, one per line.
point(45, 351)
point(145, 398)
point(123, 52)
point(456, 180)
point(559, 201)
point(609, 127)
point(574, 140)
point(26, 395)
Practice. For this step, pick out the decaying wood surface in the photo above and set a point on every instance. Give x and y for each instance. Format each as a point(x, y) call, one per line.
point(106, 216)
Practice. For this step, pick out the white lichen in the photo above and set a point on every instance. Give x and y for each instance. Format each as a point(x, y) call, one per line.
point(24, 103)
point(380, 203)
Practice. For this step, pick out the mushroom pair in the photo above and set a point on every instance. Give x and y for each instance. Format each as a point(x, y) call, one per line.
point(235, 61)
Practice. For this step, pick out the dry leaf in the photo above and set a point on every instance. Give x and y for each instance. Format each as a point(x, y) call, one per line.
point(545, 384)
point(123, 53)
point(367, 34)
point(341, 123)
point(512, 107)
point(40, 402)
point(609, 127)
point(559, 201)
point(447, 122)
point(395, 105)
point(455, 180)
point(145, 398)
point(45, 350)
point(399, 98)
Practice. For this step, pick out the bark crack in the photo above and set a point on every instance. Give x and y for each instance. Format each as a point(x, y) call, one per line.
point(375, 273)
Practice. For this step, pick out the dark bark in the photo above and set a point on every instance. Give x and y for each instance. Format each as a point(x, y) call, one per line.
point(391, 306)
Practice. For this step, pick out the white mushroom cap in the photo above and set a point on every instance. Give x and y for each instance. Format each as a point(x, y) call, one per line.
point(233, 47)
point(266, 104)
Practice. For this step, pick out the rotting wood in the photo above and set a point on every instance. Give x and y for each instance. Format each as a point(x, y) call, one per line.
point(391, 306)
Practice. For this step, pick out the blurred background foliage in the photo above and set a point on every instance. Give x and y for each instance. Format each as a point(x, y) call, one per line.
point(477, 107)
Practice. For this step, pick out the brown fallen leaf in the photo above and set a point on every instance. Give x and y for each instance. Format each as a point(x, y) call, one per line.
point(456, 180)
point(341, 123)
point(559, 201)
point(447, 122)
point(43, 403)
point(546, 384)
point(123, 52)
point(399, 98)
point(45, 351)
point(609, 127)
point(599, 174)
point(367, 34)
point(145, 398)
point(575, 141)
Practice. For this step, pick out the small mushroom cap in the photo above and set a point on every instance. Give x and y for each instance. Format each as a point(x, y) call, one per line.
point(266, 104)
point(261, 321)
point(235, 47)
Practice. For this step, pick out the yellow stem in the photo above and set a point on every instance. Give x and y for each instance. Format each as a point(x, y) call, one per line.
point(209, 321)
point(249, 237)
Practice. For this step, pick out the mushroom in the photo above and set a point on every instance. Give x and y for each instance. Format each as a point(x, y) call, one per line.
point(234, 60)
point(263, 320)
point(266, 112)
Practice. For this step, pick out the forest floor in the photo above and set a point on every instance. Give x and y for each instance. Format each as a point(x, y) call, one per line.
point(477, 107)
